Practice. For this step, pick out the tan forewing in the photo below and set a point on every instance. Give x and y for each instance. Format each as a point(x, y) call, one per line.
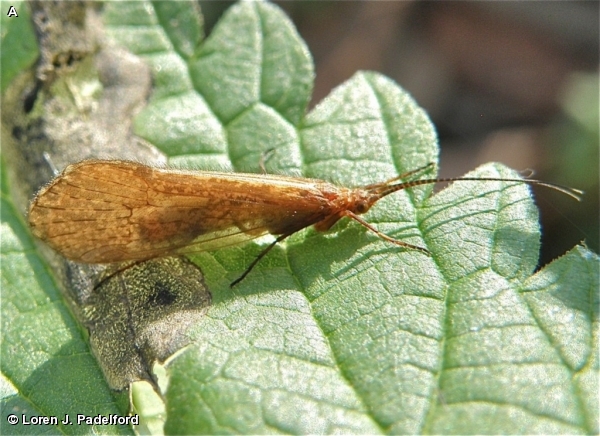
point(110, 211)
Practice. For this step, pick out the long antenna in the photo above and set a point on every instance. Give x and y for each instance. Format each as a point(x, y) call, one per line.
point(384, 190)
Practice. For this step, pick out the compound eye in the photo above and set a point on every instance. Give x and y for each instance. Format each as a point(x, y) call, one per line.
point(361, 207)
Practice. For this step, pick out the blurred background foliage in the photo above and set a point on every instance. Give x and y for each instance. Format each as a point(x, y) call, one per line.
point(514, 82)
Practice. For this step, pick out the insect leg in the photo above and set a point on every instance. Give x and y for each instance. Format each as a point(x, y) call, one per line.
point(383, 235)
point(264, 157)
point(258, 258)
point(48, 160)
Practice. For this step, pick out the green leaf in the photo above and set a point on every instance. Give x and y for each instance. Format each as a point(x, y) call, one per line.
point(341, 331)
point(18, 45)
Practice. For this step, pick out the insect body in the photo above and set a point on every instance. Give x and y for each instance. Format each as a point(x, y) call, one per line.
point(112, 211)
